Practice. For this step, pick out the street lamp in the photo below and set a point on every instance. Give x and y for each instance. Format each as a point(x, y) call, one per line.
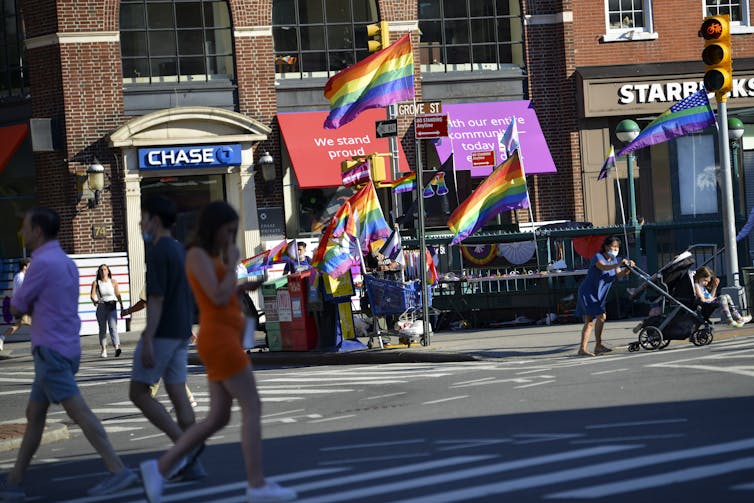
point(95, 175)
point(267, 165)
point(735, 133)
point(627, 131)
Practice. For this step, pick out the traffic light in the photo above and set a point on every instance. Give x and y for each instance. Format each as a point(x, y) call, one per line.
point(718, 76)
point(379, 36)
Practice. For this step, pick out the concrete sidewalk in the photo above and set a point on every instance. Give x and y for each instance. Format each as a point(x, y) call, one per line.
point(522, 341)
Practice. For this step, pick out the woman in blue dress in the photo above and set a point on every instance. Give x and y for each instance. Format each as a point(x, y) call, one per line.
point(604, 269)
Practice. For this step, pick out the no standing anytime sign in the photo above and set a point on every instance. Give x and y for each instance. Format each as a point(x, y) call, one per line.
point(431, 126)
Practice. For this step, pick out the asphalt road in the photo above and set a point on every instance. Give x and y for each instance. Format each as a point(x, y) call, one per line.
point(628, 427)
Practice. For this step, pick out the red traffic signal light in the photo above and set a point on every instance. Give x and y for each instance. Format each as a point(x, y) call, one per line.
point(718, 76)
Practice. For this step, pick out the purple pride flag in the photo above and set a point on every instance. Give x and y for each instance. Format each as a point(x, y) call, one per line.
point(692, 113)
point(609, 164)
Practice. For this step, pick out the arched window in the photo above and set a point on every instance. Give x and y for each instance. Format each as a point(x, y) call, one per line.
point(175, 41)
point(317, 38)
point(469, 35)
point(13, 81)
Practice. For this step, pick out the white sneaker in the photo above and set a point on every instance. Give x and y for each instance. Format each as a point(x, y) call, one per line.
point(2, 343)
point(103, 353)
point(746, 319)
point(269, 492)
point(152, 481)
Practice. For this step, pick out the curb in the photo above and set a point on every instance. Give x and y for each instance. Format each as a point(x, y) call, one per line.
point(54, 432)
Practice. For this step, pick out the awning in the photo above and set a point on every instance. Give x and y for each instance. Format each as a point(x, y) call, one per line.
point(316, 152)
point(11, 137)
point(474, 127)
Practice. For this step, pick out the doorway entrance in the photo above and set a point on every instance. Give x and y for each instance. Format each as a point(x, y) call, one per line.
point(190, 193)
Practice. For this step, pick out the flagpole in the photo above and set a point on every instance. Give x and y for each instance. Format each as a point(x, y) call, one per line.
point(422, 240)
point(622, 214)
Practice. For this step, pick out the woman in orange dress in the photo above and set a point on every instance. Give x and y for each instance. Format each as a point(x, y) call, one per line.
point(211, 268)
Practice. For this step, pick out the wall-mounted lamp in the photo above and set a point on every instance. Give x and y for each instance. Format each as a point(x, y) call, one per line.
point(95, 178)
point(267, 165)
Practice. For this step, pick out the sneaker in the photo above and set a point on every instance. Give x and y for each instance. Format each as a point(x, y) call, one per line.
point(194, 471)
point(185, 463)
point(152, 480)
point(735, 324)
point(103, 353)
point(2, 343)
point(10, 492)
point(117, 352)
point(115, 482)
point(269, 492)
point(746, 319)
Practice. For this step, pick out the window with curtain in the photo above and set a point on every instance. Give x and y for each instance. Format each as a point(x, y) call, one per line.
point(469, 35)
point(628, 20)
point(13, 80)
point(318, 38)
point(175, 41)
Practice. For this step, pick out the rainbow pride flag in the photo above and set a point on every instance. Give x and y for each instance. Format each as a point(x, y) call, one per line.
point(405, 184)
point(280, 253)
point(336, 254)
point(691, 114)
point(366, 222)
point(255, 265)
point(384, 78)
point(503, 190)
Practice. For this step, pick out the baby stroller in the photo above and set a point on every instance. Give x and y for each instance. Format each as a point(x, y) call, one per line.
point(688, 319)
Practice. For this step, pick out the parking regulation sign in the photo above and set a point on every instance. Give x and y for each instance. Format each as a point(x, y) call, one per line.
point(431, 126)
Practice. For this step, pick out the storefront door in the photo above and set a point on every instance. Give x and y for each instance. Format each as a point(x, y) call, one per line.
point(190, 194)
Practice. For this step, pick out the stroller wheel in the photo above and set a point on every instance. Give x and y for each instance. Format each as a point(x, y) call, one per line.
point(702, 337)
point(664, 344)
point(650, 338)
point(633, 347)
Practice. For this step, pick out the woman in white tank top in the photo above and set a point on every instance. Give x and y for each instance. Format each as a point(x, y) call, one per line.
point(105, 295)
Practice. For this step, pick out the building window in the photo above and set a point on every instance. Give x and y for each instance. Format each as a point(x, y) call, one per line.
point(628, 20)
point(318, 38)
point(175, 41)
point(740, 20)
point(13, 80)
point(468, 35)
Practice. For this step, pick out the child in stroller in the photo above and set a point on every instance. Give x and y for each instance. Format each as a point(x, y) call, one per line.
point(705, 288)
point(689, 319)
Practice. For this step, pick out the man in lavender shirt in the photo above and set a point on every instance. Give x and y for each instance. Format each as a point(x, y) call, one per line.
point(51, 293)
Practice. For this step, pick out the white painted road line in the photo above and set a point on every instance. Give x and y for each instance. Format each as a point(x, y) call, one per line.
point(666, 478)
point(375, 444)
point(405, 484)
point(636, 438)
point(383, 396)
point(432, 402)
point(534, 384)
point(582, 472)
point(636, 423)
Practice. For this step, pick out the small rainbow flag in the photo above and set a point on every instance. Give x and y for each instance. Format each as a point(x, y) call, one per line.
point(356, 175)
point(335, 255)
point(503, 190)
point(384, 78)
point(279, 253)
point(405, 184)
point(257, 264)
point(366, 221)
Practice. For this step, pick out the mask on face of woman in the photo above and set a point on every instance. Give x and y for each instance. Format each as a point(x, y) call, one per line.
point(612, 253)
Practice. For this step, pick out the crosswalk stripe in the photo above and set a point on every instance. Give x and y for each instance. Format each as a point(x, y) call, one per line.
point(386, 487)
point(583, 472)
point(663, 479)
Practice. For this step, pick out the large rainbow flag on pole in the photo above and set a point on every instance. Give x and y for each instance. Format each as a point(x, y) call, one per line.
point(384, 78)
point(334, 254)
point(692, 113)
point(503, 190)
point(366, 221)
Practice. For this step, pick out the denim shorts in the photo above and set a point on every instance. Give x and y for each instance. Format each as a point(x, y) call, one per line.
point(170, 360)
point(54, 376)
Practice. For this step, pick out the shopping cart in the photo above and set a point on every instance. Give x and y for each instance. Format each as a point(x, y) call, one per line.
point(388, 298)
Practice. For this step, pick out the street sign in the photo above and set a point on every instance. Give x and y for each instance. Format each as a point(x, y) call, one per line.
point(482, 159)
point(387, 128)
point(431, 126)
point(420, 108)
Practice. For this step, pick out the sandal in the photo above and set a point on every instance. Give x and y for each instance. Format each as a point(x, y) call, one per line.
point(584, 353)
point(601, 350)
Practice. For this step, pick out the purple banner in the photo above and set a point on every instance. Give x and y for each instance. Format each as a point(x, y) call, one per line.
point(476, 127)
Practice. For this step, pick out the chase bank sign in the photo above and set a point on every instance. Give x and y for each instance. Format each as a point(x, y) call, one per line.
point(200, 156)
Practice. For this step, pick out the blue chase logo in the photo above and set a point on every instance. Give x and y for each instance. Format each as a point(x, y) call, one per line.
point(195, 156)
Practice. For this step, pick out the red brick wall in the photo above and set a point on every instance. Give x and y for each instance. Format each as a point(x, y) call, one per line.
point(79, 85)
point(550, 66)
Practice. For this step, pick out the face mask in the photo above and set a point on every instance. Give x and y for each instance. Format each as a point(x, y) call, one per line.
point(148, 236)
point(612, 253)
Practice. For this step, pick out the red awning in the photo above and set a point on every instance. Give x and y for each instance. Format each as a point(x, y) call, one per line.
point(316, 152)
point(11, 137)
